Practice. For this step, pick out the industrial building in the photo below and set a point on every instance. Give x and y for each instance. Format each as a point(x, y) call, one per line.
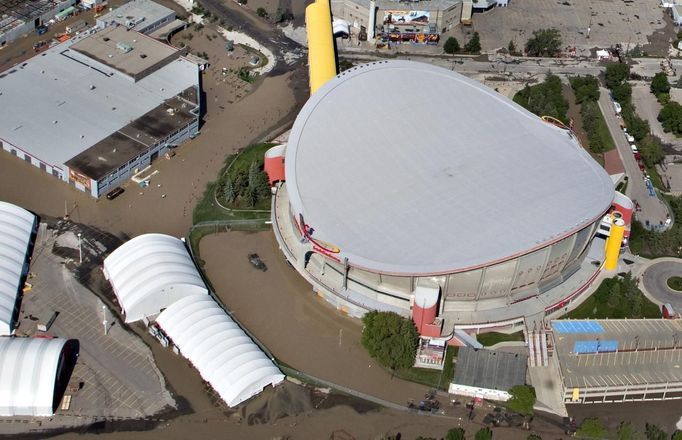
point(17, 234)
point(618, 360)
point(100, 107)
point(35, 373)
point(454, 206)
point(144, 16)
point(19, 17)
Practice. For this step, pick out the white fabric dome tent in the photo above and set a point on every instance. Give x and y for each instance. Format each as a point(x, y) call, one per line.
point(151, 272)
point(225, 356)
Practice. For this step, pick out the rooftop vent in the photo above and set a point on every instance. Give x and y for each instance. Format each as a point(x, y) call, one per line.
point(124, 47)
point(92, 87)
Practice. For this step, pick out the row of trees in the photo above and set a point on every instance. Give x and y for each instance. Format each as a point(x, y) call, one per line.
point(616, 79)
point(594, 428)
point(452, 46)
point(586, 91)
point(543, 43)
point(544, 99)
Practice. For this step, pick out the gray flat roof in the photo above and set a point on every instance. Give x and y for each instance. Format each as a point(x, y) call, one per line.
point(137, 9)
point(412, 169)
point(495, 370)
point(63, 102)
point(649, 351)
point(133, 139)
point(145, 54)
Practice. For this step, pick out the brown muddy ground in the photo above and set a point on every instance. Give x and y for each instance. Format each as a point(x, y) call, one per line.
point(234, 119)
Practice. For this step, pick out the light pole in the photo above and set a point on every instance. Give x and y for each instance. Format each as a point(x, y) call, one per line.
point(80, 250)
point(104, 318)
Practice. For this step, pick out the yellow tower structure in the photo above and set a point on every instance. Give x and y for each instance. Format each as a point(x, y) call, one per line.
point(613, 243)
point(321, 55)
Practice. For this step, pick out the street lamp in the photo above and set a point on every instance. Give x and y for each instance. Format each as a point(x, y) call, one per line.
point(80, 250)
point(104, 318)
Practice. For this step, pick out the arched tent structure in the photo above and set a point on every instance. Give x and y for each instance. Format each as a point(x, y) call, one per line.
point(225, 356)
point(17, 226)
point(151, 272)
point(34, 373)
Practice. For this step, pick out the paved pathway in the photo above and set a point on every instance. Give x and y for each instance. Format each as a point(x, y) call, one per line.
point(654, 278)
point(118, 370)
point(653, 210)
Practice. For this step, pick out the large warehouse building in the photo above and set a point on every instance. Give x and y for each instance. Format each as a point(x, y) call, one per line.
point(403, 177)
point(96, 108)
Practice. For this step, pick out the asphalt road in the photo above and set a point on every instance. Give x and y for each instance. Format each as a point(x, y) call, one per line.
point(242, 20)
point(653, 210)
point(655, 282)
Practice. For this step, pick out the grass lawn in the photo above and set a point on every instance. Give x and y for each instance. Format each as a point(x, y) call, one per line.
point(598, 306)
point(675, 283)
point(492, 338)
point(207, 209)
point(603, 132)
point(431, 377)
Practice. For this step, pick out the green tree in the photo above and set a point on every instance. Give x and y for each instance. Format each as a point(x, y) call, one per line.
point(627, 432)
point(677, 435)
point(473, 45)
point(522, 399)
point(654, 432)
point(390, 339)
point(670, 117)
point(636, 51)
point(455, 434)
point(615, 74)
point(586, 88)
point(545, 98)
point(651, 151)
point(544, 43)
point(229, 192)
point(484, 434)
point(622, 93)
point(261, 12)
point(533, 437)
point(660, 84)
point(451, 45)
point(511, 47)
point(592, 428)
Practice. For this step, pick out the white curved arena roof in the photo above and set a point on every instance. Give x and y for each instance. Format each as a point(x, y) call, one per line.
point(151, 272)
point(409, 168)
point(16, 227)
point(225, 356)
point(28, 372)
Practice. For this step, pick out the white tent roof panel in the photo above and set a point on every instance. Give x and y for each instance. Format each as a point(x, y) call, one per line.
point(28, 372)
point(224, 355)
point(16, 227)
point(151, 272)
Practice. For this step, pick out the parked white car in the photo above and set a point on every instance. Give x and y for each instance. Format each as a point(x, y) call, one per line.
point(634, 148)
point(617, 107)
